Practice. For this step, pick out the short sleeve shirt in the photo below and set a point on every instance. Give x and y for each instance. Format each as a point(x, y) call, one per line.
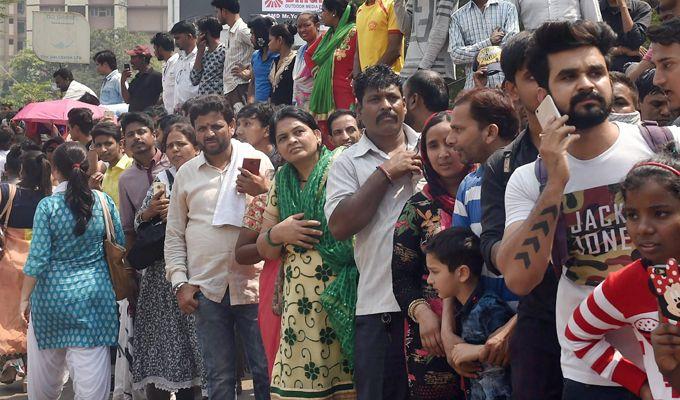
point(374, 23)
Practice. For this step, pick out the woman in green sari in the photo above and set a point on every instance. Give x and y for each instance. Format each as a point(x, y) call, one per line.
point(331, 58)
point(314, 359)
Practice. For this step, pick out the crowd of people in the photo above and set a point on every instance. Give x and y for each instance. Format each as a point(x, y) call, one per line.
point(333, 219)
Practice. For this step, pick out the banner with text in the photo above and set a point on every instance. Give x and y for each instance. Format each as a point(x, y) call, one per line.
point(288, 6)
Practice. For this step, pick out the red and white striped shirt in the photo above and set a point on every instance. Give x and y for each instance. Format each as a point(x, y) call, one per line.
point(624, 298)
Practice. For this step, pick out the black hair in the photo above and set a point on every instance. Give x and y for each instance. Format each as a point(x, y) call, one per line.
point(13, 162)
point(455, 247)
point(107, 128)
point(263, 112)
point(54, 141)
point(337, 114)
point(82, 118)
point(209, 25)
point(204, 105)
point(165, 121)
point(164, 41)
point(376, 77)
point(430, 86)
point(106, 57)
point(665, 33)
point(183, 127)
point(259, 27)
point(645, 84)
point(639, 175)
point(315, 17)
point(36, 172)
point(183, 27)
point(620, 77)
point(230, 5)
point(557, 36)
point(514, 54)
point(338, 7)
point(64, 73)
point(70, 159)
point(89, 98)
point(6, 137)
point(286, 31)
point(138, 117)
point(491, 106)
point(291, 112)
point(156, 111)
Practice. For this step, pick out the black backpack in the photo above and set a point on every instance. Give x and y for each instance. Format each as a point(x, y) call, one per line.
point(656, 137)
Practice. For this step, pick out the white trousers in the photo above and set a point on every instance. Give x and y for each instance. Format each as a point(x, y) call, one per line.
point(49, 369)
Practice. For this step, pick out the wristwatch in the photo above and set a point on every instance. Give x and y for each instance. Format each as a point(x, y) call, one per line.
point(176, 288)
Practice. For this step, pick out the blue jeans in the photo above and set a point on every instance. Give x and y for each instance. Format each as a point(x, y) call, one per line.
point(580, 391)
point(215, 323)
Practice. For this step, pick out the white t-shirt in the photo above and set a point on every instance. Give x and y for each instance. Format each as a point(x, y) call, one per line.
point(592, 208)
point(169, 83)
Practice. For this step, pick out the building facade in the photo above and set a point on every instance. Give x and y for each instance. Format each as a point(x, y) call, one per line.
point(13, 31)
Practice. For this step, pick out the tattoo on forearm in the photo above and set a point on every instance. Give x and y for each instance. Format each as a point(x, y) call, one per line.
point(541, 227)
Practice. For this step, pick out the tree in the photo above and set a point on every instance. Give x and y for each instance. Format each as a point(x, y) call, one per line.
point(27, 79)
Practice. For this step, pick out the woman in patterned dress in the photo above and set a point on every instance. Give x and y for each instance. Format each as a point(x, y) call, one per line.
point(424, 215)
point(73, 310)
point(167, 356)
point(319, 290)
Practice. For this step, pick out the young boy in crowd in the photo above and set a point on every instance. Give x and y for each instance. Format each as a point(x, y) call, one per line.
point(455, 262)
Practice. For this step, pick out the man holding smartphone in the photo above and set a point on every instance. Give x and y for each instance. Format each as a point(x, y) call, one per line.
point(584, 157)
point(147, 85)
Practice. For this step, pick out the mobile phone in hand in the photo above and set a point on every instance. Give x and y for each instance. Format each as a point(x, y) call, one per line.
point(665, 279)
point(546, 111)
point(252, 165)
point(158, 187)
point(126, 67)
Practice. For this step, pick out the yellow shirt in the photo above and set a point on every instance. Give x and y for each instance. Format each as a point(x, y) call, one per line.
point(110, 183)
point(374, 23)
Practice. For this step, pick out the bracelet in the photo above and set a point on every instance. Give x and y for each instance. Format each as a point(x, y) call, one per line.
point(384, 171)
point(412, 307)
point(176, 288)
point(268, 237)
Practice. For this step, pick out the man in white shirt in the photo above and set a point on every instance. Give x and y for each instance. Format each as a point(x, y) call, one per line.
point(204, 221)
point(63, 80)
point(236, 38)
point(184, 33)
point(164, 49)
point(533, 13)
point(583, 159)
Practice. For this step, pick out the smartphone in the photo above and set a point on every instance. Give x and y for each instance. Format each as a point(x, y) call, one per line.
point(158, 187)
point(252, 165)
point(666, 283)
point(546, 110)
point(126, 66)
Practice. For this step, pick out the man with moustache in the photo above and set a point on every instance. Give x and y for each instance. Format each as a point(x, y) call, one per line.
point(164, 48)
point(666, 48)
point(534, 349)
point(368, 186)
point(204, 221)
point(584, 157)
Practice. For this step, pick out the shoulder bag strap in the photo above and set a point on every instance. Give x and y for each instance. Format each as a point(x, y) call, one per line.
point(108, 223)
point(8, 207)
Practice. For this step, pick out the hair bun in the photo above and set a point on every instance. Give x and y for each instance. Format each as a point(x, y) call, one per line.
point(292, 28)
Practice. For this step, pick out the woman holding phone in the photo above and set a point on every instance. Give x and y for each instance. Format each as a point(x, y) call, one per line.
point(167, 356)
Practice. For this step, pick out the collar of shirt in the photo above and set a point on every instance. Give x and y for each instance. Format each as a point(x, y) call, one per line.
point(60, 188)
point(155, 160)
point(203, 162)
point(111, 75)
point(237, 25)
point(472, 4)
point(473, 299)
point(183, 56)
point(365, 144)
point(123, 163)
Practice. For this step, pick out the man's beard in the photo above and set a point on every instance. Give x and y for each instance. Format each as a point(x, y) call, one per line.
point(593, 115)
point(222, 147)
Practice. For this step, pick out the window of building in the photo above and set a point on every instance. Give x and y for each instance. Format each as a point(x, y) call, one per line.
point(52, 8)
point(77, 9)
point(101, 11)
point(21, 27)
point(10, 20)
point(20, 45)
point(21, 7)
point(11, 41)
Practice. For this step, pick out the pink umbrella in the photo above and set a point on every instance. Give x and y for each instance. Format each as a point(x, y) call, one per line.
point(55, 111)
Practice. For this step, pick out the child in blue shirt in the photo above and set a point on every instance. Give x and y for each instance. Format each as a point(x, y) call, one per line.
point(455, 263)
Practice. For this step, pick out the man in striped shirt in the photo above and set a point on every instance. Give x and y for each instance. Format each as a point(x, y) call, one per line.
point(483, 120)
point(235, 36)
point(480, 24)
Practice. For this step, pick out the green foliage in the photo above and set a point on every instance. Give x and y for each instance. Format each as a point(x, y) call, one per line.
point(3, 7)
point(28, 92)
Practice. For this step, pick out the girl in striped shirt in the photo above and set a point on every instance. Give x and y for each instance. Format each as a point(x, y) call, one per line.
point(627, 298)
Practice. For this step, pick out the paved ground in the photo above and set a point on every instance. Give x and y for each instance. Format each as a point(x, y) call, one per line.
point(16, 392)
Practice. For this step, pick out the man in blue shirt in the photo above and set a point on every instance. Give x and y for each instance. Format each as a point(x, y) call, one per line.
point(483, 120)
point(108, 67)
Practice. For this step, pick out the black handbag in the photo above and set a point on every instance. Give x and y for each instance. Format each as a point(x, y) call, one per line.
point(150, 240)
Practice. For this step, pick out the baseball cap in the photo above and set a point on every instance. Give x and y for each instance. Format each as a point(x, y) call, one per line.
point(140, 51)
point(489, 57)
